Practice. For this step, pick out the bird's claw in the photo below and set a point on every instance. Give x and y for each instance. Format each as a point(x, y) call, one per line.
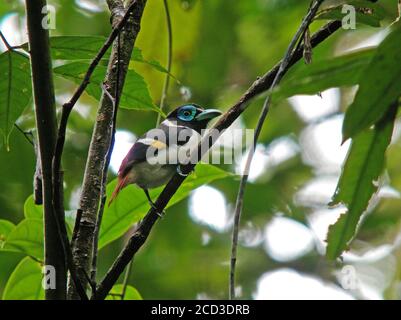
point(160, 214)
point(182, 174)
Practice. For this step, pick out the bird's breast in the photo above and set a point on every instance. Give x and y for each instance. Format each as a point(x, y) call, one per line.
point(149, 176)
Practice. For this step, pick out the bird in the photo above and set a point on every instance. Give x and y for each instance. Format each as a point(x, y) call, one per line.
point(156, 156)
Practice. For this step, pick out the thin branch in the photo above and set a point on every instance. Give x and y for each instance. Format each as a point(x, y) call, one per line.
point(68, 106)
point(399, 10)
point(37, 177)
point(142, 231)
point(117, 11)
point(126, 279)
point(62, 231)
point(162, 102)
point(57, 176)
point(115, 102)
point(6, 43)
point(27, 134)
point(91, 194)
point(284, 66)
point(169, 61)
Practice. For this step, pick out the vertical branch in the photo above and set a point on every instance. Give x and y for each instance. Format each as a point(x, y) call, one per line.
point(99, 146)
point(169, 60)
point(283, 68)
point(115, 101)
point(45, 112)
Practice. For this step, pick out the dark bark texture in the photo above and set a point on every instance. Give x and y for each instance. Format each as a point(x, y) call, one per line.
point(46, 124)
point(91, 189)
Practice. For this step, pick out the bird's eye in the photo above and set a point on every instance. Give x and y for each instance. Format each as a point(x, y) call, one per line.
point(186, 114)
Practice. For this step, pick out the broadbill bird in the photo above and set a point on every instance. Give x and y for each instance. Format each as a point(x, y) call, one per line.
point(156, 156)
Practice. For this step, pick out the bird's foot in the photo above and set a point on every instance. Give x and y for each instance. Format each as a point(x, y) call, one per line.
point(182, 174)
point(160, 214)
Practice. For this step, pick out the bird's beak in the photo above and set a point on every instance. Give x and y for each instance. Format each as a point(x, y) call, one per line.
point(208, 114)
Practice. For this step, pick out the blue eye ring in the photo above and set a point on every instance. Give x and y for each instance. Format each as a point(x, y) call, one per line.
point(187, 113)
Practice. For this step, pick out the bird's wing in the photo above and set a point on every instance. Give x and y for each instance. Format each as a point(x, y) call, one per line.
point(138, 153)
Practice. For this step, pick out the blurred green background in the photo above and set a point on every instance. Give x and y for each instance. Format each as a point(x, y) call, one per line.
point(219, 48)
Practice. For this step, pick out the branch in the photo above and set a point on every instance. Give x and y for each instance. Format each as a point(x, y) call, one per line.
point(169, 61)
point(115, 102)
point(145, 226)
point(102, 137)
point(283, 68)
point(45, 112)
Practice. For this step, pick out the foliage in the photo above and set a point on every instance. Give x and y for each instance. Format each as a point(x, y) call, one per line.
point(215, 58)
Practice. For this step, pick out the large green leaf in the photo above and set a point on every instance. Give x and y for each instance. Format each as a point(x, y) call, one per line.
point(15, 90)
point(27, 237)
point(8, 263)
point(135, 93)
point(5, 228)
point(358, 181)
point(131, 204)
point(76, 47)
point(366, 12)
point(25, 283)
point(32, 210)
point(86, 47)
point(324, 74)
point(130, 294)
point(379, 86)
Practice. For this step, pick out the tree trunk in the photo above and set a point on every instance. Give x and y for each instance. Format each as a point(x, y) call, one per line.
point(46, 124)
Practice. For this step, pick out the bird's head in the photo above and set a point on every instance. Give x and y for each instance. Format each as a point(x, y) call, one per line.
point(193, 116)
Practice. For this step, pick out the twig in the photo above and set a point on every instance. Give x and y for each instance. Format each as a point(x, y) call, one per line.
point(91, 194)
point(126, 279)
point(140, 235)
point(162, 102)
point(6, 43)
point(12, 48)
point(399, 10)
point(27, 134)
point(62, 231)
point(115, 102)
point(284, 66)
point(169, 60)
point(68, 106)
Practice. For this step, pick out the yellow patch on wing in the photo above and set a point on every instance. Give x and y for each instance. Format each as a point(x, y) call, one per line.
point(158, 145)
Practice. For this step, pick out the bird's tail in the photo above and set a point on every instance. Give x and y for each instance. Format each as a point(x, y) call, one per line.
point(122, 182)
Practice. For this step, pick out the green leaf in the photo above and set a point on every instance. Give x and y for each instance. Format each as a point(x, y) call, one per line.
point(77, 47)
point(31, 210)
point(130, 294)
point(25, 283)
point(27, 237)
point(131, 204)
point(358, 181)
point(86, 47)
point(135, 93)
point(366, 12)
point(15, 90)
point(5, 228)
point(379, 86)
point(324, 74)
point(8, 263)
